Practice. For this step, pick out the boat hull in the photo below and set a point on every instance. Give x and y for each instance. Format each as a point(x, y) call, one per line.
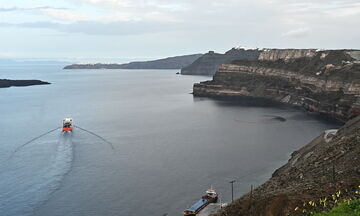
point(201, 207)
point(67, 129)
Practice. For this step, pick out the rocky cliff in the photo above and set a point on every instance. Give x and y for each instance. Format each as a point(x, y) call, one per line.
point(5, 83)
point(210, 62)
point(328, 164)
point(322, 81)
point(176, 62)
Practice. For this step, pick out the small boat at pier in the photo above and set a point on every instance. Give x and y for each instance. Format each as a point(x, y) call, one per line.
point(210, 197)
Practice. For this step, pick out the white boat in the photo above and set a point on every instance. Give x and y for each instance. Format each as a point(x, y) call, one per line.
point(67, 124)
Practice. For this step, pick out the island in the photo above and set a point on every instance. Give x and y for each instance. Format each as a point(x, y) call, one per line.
point(6, 83)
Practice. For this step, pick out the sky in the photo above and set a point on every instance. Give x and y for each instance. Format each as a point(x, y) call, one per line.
point(124, 30)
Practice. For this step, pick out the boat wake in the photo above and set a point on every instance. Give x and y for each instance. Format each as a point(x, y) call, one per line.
point(98, 136)
point(29, 180)
point(33, 172)
point(32, 140)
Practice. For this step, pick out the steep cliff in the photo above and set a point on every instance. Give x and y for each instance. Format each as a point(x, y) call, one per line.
point(286, 54)
point(327, 81)
point(329, 163)
point(176, 62)
point(210, 62)
point(205, 65)
point(323, 81)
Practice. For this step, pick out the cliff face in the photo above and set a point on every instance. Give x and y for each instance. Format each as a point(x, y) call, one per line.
point(176, 62)
point(329, 163)
point(286, 54)
point(205, 65)
point(210, 62)
point(323, 81)
point(327, 82)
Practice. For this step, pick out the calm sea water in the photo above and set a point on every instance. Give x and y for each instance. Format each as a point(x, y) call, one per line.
point(169, 146)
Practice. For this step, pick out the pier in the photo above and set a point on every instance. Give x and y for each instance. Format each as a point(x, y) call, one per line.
point(210, 209)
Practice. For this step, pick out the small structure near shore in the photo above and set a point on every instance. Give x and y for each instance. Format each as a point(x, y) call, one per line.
point(211, 209)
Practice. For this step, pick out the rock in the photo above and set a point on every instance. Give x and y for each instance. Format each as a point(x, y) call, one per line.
point(314, 80)
point(286, 54)
point(209, 63)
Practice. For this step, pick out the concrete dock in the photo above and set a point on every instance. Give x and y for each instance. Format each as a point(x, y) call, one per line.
point(210, 209)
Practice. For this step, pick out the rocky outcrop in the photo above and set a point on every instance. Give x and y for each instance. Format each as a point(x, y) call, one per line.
point(329, 163)
point(176, 62)
point(5, 83)
point(286, 54)
point(205, 65)
point(210, 62)
point(322, 81)
point(326, 82)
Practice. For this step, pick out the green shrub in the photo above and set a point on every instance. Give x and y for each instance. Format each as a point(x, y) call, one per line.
point(345, 209)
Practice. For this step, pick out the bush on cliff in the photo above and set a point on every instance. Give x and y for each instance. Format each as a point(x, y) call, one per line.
point(345, 209)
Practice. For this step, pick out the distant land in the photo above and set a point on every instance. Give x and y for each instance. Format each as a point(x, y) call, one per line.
point(210, 62)
point(176, 62)
point(6, 83)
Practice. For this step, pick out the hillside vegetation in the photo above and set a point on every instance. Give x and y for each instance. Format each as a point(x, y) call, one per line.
point(345, 209)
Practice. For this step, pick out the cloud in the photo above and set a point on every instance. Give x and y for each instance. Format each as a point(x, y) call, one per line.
point(348, 10)
point(116, 10)
point(177, 25)
point(170, 5)
point(118, 27)
point(64, 14)
point(8, 9)
point(100, 28)
point(7, 54)
point(330, 8)
point(11, 9)
point(56, 12)
point(296, 33)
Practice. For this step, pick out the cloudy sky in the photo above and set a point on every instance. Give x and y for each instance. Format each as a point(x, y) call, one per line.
point(146, 29)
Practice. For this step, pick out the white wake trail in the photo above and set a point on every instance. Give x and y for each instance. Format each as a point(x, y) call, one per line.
point(26, 188)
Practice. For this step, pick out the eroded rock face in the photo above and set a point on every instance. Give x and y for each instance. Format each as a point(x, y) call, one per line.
point(326, 82)
point(286, 54)
point(210, 62)
point(207, 64)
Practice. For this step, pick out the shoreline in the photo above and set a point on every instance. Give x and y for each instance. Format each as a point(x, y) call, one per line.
point(249, 101)
point(307, 170)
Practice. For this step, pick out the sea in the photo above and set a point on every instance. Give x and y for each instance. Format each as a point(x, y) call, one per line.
point(143, 144)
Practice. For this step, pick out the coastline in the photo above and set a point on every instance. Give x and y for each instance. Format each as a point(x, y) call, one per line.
point(319, 169)
point(320, 82)
point(244, 100)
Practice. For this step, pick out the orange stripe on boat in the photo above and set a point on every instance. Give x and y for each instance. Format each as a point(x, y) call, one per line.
point(67, 129)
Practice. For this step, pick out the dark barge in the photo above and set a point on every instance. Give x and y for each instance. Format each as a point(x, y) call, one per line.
point(210, 197)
